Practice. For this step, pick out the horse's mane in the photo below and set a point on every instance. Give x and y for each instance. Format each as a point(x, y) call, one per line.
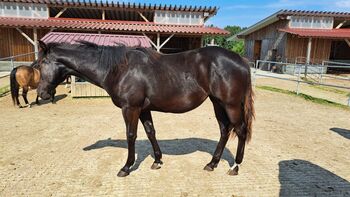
point(109, 56)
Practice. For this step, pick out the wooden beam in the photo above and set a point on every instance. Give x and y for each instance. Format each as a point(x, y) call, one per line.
point(153, 44)
point(348, 42)
point(340, 24)
point(60, 13)
point(166, 41)
point(143, 17)
point(25, 35)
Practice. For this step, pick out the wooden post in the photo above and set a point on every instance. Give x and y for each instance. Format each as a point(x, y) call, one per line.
point(35, 36)
point(158, 42)
point(103, 15)
point(308, 55)
point(308, 52)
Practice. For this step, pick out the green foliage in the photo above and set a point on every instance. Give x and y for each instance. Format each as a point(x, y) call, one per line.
point(236, 46)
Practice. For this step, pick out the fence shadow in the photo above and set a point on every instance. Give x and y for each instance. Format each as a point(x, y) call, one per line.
point(343, 132)
point(185, 146)
point(303, 178)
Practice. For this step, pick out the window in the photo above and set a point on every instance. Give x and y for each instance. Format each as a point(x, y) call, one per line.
point(311, 22)
point(24, 10)
point(173, 17)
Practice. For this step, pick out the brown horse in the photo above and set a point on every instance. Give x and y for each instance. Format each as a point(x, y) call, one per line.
point(24, 77)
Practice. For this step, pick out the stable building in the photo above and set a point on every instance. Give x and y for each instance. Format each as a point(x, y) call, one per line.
point(299, 36)
point(168, 28)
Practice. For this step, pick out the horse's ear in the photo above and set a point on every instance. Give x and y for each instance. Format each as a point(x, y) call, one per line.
point(42, 46)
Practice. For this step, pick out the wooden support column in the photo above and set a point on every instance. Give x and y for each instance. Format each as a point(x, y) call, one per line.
point(158, 42)
point(158, 45)
point(308, 52)
point(103, 14)
point(35, 36)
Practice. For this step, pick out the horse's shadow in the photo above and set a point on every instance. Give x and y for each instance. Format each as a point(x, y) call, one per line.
point(343, 132)
point(303, 178)
point(143, 148)
point(57, 98)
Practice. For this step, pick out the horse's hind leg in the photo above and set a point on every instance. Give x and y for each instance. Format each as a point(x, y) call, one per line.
point(235, 114)
point(146, 119)
point(24, 95)
point(37, 100)
point(225, 127)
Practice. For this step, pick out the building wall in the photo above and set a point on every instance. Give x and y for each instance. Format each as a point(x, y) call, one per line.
point(13, 43)
point(271, 39)
point(297, 48)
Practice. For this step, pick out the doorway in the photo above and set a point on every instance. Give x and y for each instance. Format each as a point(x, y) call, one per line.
point(257, 49)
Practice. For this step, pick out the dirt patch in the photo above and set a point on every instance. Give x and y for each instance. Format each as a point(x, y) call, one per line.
point(77, 146)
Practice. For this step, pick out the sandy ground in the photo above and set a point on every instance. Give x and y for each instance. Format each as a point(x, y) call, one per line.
point(77, 146)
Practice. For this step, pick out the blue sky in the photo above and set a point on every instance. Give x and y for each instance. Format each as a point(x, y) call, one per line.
point(245, 13)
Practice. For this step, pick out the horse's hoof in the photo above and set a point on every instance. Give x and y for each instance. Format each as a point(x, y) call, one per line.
point(156, 166)
point(233, 172)
point(208, 168)
point(122, 173)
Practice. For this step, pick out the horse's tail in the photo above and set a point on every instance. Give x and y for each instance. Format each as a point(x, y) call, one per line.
point(14, 85)
point(249, 112)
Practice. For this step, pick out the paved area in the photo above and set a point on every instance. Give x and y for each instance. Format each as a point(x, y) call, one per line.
point(77, 146)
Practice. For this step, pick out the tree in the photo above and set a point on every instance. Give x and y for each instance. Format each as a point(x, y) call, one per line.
point(236, 46)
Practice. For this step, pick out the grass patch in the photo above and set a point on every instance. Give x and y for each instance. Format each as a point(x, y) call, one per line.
point(325, 88)
point(4, 90)
point(305, 96)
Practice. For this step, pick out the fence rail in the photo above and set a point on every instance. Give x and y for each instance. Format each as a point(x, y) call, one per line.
point(306, 74)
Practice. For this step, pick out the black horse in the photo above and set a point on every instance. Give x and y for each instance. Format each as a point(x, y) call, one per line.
point(141, 80)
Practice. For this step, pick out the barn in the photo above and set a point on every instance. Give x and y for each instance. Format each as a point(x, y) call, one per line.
point(170, 28)
point(299, 36)
point(167, 28)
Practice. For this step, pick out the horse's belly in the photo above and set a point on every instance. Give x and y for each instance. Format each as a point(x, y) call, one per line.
point(179, 103)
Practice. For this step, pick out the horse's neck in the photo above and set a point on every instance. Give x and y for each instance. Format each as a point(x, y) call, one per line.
point(82, 68)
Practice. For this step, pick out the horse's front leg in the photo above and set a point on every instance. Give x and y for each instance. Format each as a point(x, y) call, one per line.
point(146, 119)
point(131, 117)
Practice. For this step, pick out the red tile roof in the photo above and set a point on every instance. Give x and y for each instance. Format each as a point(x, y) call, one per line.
point(99, 39)
point(313, 13)
point(110, 25)
point(120, 5)
point(319, 33)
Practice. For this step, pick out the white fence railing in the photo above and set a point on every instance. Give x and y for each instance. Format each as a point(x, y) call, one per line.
point(330, 74)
